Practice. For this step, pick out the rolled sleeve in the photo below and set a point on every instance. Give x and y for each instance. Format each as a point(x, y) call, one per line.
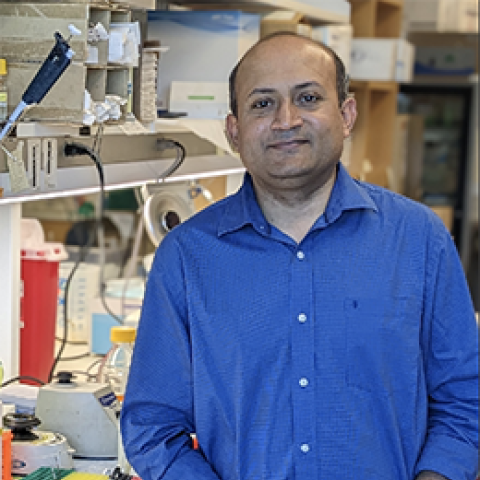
point(451, 446)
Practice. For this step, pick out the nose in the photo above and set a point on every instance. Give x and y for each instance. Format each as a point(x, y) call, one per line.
point(287, 116)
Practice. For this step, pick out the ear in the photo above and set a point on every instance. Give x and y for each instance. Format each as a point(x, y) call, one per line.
point(349, 114)
point(231, 131)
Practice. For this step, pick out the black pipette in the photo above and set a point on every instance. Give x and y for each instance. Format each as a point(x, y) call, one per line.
point(52, 68)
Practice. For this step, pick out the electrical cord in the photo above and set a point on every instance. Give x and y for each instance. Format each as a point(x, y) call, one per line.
point(75, 149)
point(162, 144)
point(78, 149)
point(22, 377)
point(167, 144)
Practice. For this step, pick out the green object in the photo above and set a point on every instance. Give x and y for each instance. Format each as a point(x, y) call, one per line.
point(201, 97)
point(124, 200)
point(87, 210)
point(47, 473)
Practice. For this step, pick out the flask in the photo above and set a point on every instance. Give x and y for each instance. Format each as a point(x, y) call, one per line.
point(116, 364)
point(3, 91)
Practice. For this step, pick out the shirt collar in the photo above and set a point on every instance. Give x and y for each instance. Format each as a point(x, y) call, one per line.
point(242, 207)
point(347, 194)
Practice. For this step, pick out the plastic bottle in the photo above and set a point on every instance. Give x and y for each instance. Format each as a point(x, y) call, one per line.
point(114, 370)
point(116, 364)
point(3, 90)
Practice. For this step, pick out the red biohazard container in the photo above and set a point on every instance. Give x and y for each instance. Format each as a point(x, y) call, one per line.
point(38, 305)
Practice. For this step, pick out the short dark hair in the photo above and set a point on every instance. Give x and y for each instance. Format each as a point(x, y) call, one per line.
point(342, 80)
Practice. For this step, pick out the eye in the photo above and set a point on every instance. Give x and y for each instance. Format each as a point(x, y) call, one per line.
point(262, 103)
point(308, 98)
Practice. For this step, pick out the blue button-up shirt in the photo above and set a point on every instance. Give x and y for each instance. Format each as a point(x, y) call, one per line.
point(352, 355)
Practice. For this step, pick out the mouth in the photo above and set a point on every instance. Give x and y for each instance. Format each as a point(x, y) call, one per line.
point(288, 144)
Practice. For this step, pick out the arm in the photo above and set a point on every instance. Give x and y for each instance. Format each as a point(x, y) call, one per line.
point(157, 413)
point(450, 352)
point(430, 476)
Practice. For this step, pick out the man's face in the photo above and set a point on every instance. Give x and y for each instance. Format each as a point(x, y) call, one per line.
point(289, 130)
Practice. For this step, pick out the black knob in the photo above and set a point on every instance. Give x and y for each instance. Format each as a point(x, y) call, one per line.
point(65, 377)
point(21, 424)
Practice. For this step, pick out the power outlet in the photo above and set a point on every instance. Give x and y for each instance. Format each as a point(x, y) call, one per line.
point(50, 159)
point(34, 162)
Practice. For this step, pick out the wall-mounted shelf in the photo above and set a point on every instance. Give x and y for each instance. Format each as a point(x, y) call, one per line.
point(373, 134)
point(83, 180)
point(129, 152)
point(377, 18)
point(323, 11)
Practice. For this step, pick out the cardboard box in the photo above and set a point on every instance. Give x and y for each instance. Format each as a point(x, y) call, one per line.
point(382, 59)
point(441, 15)
point(425, 15)
point(338, 38)
point(284, 21)
point(445, 212)
point(204, 46)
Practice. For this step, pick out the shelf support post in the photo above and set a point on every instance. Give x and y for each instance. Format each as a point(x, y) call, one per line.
point(10, 287)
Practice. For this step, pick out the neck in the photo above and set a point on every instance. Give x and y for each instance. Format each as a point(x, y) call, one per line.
point(295, 211)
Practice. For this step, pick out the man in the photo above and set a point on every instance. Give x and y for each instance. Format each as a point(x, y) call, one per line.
point(309, 326)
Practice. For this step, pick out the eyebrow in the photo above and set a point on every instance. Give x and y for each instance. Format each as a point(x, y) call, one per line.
point(300, 86)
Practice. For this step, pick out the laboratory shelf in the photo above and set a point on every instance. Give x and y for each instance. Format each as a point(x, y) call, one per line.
point(324, 11)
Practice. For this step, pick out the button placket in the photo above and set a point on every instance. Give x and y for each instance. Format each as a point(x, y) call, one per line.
point(303, 356)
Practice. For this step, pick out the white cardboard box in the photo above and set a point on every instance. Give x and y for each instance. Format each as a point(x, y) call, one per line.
point(204, 46)
point(441, 15)
point(382, 59)
point(338, 38)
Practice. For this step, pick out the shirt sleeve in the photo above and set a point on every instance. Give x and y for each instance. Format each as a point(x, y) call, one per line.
point(157, 414)
point(450, 345)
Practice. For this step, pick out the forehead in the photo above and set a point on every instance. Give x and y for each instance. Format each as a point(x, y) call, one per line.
point(285, 61)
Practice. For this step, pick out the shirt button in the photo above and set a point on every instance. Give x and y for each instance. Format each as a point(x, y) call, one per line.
point(302, 318)
point(303, 382)
point(305, 448)
point(300, 255)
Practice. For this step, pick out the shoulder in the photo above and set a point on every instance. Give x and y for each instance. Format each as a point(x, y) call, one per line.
point(395, 208)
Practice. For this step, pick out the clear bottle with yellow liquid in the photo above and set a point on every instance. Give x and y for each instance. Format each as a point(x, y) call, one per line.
point(114, 371)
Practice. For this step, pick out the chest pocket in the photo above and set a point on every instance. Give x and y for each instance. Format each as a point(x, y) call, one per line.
point(383, 346)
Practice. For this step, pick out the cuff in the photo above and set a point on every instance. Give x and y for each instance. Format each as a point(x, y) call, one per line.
point(449, 457)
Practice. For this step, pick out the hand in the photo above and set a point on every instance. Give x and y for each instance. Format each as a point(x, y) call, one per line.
point(426, 475)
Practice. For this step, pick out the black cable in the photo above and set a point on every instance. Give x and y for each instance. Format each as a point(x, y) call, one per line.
point(166, 144)
point(82, 254)
point(22, 377)
point(77, 149)
point(74, 149)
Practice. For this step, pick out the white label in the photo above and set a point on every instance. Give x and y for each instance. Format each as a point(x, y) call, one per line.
point(16, 169)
